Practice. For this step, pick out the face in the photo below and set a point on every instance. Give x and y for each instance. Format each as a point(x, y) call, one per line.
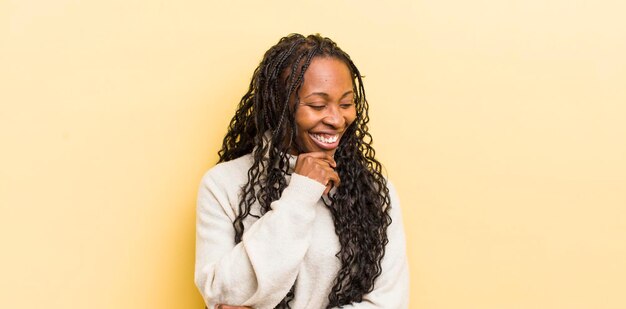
point(326, 106)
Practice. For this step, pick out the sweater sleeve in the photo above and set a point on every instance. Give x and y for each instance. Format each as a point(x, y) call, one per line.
point(260, 270)
point(391, 289)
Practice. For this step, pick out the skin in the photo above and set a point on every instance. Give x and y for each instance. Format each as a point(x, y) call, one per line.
point(326, 104)
point(326, 107)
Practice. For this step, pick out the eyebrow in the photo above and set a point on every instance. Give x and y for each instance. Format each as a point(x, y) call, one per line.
point(326, 96)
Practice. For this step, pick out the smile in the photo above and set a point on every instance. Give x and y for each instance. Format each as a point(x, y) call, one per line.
point(325, 138)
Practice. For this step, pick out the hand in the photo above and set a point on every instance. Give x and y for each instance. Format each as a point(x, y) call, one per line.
point(220, 306)
point(320, 167)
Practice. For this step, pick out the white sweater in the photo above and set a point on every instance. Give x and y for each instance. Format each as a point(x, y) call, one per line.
point(294, 242)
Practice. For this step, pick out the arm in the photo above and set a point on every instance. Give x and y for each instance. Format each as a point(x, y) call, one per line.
point(391, 289)
point(260, 270)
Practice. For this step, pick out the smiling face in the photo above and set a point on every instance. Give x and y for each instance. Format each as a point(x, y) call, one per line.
point(326, 106)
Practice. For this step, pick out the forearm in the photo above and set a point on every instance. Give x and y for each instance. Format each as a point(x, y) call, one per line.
point(261, 269)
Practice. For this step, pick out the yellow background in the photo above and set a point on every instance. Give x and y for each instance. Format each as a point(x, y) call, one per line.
point(502, 124)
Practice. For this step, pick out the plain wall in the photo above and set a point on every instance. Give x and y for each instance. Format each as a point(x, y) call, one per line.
point(502, 124)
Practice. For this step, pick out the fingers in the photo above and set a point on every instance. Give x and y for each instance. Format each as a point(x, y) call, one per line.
point(320, 155)
point(334, 179)
point(333, 182)
point(318, 166)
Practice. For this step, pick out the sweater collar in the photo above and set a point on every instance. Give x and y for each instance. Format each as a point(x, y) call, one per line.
point(267, 140)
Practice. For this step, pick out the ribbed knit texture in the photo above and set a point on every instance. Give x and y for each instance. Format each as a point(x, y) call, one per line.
point(293, 242)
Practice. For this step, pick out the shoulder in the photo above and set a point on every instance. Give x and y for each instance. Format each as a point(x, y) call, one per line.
point(393, 194)
point(230, 174)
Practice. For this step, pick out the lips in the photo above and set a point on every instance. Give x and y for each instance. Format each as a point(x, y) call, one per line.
point(325, 138)
point(325, 141)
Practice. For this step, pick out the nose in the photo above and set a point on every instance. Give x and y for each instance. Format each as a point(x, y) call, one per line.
point(334, 117)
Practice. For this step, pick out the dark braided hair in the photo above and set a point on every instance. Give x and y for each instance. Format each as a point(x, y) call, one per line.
point(359, 206)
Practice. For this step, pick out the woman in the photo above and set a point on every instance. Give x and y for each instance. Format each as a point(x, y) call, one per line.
point(297, 213)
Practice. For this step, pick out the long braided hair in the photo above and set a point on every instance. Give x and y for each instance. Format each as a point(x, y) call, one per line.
point(359, 205)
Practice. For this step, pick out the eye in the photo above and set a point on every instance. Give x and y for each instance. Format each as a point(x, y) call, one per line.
point(346, 105)
point(317, 107)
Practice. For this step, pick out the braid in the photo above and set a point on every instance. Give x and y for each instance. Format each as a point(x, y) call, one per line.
point(359, 206)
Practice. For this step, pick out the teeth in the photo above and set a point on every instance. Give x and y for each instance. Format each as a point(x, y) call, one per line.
point(325, 140)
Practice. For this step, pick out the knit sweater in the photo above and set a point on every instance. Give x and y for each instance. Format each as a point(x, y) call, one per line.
point(294, 242)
